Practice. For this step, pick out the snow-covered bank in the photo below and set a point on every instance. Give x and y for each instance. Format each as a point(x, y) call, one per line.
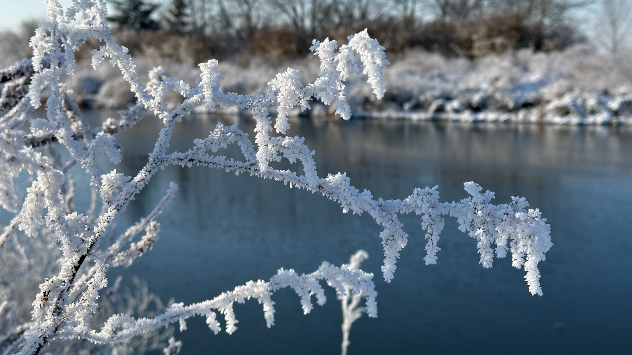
point(577, 86)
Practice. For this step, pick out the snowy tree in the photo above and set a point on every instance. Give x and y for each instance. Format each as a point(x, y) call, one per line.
point(65, 305)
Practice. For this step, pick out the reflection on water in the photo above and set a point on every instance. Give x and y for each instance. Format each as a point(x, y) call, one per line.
point(222, 230)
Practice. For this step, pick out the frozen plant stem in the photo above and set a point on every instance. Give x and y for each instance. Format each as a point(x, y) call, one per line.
point(67, 301)
point(350, 301)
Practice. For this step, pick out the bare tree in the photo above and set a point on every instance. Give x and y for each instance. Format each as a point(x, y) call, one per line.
point(362, 11)
point(302, 15)
point(312, 17)
point(242, 17)
point(614, 24)
point(547, 13)
point(406, 9)
point(199, 14)
point(457, 9)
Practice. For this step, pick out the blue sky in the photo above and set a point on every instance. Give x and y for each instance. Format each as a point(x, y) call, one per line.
point(13, 12)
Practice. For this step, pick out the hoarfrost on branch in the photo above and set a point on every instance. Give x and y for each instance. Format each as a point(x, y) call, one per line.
point(66, 301)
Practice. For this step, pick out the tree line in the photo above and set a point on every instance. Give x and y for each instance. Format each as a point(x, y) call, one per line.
point(284, 28)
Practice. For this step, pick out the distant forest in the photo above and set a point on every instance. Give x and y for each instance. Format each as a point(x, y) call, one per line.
point(191, 31)
point(194, 30)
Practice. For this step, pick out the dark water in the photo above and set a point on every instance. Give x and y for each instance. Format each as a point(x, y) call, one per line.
point(223, 230)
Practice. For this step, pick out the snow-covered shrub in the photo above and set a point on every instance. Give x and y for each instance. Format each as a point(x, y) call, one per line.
point(52, 149)
point(516, 86)
point(578, 85)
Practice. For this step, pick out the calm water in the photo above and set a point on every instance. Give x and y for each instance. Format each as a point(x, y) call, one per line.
point(223, 230)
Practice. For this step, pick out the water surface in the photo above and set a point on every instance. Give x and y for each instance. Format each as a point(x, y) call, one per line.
point(222, 230)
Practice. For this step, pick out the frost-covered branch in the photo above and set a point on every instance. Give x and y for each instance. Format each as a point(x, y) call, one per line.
point(343, 279)
point(67, 300)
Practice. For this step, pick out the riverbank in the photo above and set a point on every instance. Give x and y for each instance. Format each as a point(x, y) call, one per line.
point(576, 86)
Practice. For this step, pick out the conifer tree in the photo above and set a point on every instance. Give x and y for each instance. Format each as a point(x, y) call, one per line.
point(177, 17)
point(134, 14)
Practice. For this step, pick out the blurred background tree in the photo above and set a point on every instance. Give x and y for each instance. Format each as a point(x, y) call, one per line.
point(177, 17)
point(283, 29)
point(614, 24)
point(14, 45)
point(134, 15)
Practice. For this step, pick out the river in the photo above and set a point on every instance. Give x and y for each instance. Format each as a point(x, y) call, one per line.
point(222, 230)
